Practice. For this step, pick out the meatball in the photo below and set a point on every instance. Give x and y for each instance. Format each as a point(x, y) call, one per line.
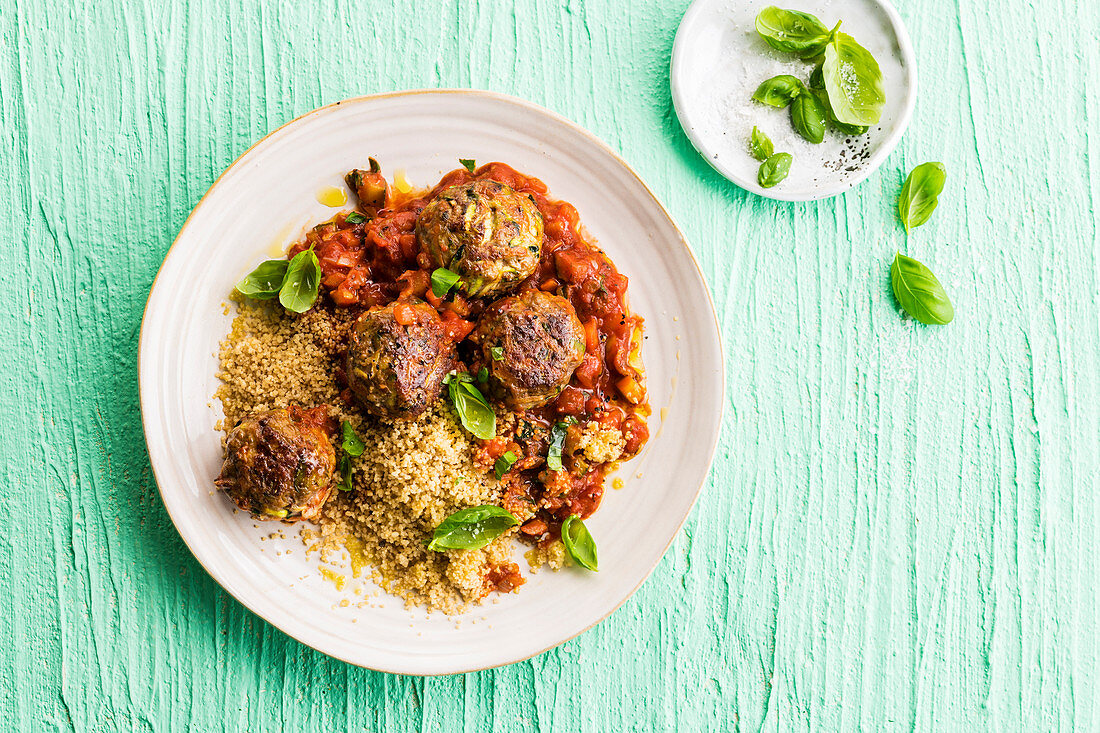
point(531, 344)
point(397, 358)
point(486, 232)
point(279, 464)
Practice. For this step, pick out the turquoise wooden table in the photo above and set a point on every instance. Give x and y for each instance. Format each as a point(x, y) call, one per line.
point(901, 529)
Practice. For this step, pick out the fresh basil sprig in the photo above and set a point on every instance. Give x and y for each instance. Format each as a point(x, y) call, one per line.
point(352, 446)
point(504, 464)
point(264, 282)
point(920, 194)
point(443, 280)
point(579, 543)
point(774, 169)
point(919, 292)
point(468, 164)
point(778, 91)
point(853, 81)
point(792, 31)
point(761, 145)
point(473, 409)
point(808, 116)
point(303, 277)
point(469, 529)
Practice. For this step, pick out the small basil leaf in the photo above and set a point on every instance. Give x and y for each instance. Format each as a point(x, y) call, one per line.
point(920, 194)
point(579, 543)
point(808, 117)
point(497, 352)
point(761, 145)
point(355, 218)
point(345, 473)
point(468, 164)
point(557, 442)
point(482, 375)
point(303, 276)
point(473, 410)
point(350, 442)
point(504, 464)
point(817, 79)
point(791, 31)
point(264, 282)
point(853, 81)
point(919, 292)
point(774, 169)
point(471, 528)
point(442, 281)
point(779, 90)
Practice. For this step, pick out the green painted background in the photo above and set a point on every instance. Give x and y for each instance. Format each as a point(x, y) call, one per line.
point(901, 529)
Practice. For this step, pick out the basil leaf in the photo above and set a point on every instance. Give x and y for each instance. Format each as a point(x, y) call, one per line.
point(808, 117)
point(823, 98)
point(504, 464)
point(482, 375)
point(351, 443)
point(497, 352)
point(557, 442)
point(920, 194)
point(792, 31)
point(919, 292)
point(473, 410)
point(761, 145)
point(345, 473)
point(355, 218)
point(264, 282)
point(442, 281)
point(817, 78)
point(853, 81)
point(774, 169)
point(579, 543)
point(471, 528)
point(468, 164)
point(303, 276)
point(779, 90)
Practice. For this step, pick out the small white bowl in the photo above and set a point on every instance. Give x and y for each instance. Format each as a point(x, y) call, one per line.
point(718, 60)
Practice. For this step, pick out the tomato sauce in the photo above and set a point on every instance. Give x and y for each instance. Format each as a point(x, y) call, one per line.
point(375, 259)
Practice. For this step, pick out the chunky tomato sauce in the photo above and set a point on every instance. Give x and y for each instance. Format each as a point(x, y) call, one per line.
point(375, 259)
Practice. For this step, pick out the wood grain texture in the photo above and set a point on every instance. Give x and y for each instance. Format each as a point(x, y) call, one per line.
point(901, 529)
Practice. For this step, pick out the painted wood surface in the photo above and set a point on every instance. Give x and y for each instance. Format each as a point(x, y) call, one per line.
point(901, 529)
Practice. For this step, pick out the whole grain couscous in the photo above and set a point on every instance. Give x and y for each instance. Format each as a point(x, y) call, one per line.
point(430, 378)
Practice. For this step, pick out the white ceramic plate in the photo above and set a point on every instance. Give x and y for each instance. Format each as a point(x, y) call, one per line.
point(268, 198)
point(718, 60)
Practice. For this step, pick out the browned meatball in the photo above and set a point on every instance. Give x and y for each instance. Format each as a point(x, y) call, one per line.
point(279, 464)
point(397, 358)
point(531, 344)
point(486, 232)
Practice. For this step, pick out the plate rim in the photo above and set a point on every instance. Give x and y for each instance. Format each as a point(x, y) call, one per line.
point(908, 55)
point(241, 160)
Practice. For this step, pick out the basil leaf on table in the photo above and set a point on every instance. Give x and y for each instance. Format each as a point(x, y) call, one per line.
point(557, 442)
point(919, 292)
point(303, 276)
point(774, 169)
point(473, 410)
point(471, 528)
point(808, 117)
point(853, 81)
point(579, 543)
point(761, 145)
point(779, 90)
point(792, 31)
point(264, 282)
point(504, 464)
point(920, 194)
point(443, 280)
